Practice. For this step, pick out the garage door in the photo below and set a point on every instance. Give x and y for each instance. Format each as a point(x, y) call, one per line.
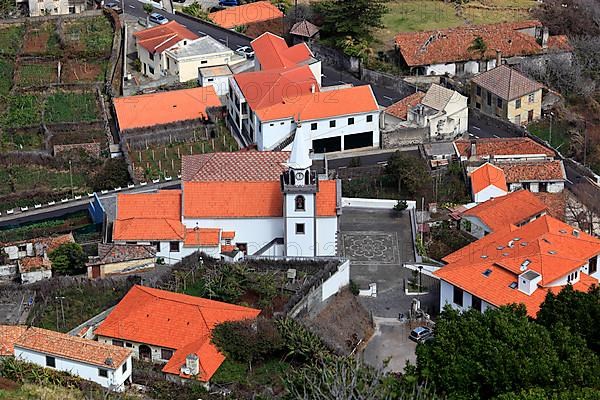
point(358, 140)
point(327, 145)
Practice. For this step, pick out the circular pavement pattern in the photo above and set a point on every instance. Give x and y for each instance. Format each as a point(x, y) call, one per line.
point(371, 248)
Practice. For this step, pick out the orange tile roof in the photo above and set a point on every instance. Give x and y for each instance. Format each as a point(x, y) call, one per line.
point(202, 237)
point(487, 175)
point(28, 264)
point(149, 216)
point(245, 14)
point(237, 166)
point(511, 209)
point(452, 45)
point(227, 248)
point(227, 234)
point(146, 315)
point(533, 171)
point(327, 199)
point(8, 336)
point(159, 38)
point(400, 108)
point(73, 347)
point(484, 148)
point(550, 246)
point(273, 52)
point(506, 83)
point(164, 107)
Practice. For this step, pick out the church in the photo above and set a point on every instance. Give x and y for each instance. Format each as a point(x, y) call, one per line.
point(246, 202)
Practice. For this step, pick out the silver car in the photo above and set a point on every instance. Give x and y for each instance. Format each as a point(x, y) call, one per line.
point(245, 51)
point(158, 19)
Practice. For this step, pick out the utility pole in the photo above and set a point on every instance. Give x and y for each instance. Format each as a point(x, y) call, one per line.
point(550, 132)
point(62, 309)
point(71, 178)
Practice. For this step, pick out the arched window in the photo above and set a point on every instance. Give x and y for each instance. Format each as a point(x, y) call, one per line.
point(299, 203)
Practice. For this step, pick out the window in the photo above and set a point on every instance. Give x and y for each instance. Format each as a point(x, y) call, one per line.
point(204, 62)
point(543, 187)
point(593, 268)
point(299, 229)
point(489, 99)
point(313, 126)
point(125, 367)
point(369, 118)
point(460, 68)
point(151, 56)
point(332, 124)
point(168, 63)
point(351, 121)
point(166, 354)
point(150, 69)
point(478, 106)
point(174, 246)
point(478, 90)
point(23, 247)
point(210, 80)
point(103, 372)
point(127, 344)
point(156, 245)
point(531, 98)
point(499, 102)
point(271, 124)
point(50, 362)
point(458, 296)
point(299, 203)
point(518, 103)
point(476, 303)
point(116, 342)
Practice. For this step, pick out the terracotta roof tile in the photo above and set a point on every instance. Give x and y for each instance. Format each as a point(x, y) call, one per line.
point(552, 170)
point(73, 347)
point(113, 253)
point(227, 234)
point(513, 208)
point(159, 38)
point(28, 264)
point(8, 336)
point(485, 148)
point(327, 199)
point(245, 14)
point(146, 315)
point(555, 202)
point(273, 52)
point(487, 175)
point(165, 107)
point(506, 83)
point(305, 29)
point(226, 248)
point(202, 237)
point(238, 166)
point(400, 108)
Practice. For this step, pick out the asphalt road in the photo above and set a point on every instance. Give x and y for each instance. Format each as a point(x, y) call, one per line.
point(330, 76)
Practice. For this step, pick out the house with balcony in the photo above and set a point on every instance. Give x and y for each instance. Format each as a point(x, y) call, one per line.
point(172, 329)
point(507, 94)
point(283, 97)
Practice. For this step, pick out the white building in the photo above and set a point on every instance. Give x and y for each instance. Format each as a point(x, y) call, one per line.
point(39, 8)
point(284, 97)
point(263, 203)
point(104, 364)
point(487, 182)
point(218, 77)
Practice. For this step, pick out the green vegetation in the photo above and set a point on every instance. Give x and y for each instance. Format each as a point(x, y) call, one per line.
point(71, 107)
point(68, 259)
point(91, 37)
point(11, 39)
point(443, 240)
point(37, 74)
point(560, 132)
point(195, 10)
point(24, 177)
point(23, 110)
point(6, 76)
point(21, 140)
point(45, 228)
point(113, 174)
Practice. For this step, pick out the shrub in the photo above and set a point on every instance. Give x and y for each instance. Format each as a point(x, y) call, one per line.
point(68, 259)
point(113, 174)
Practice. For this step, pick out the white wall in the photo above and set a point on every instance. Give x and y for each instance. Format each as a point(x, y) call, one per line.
point(478, 228)
point(13, 252)
point(35, 276)
point(440, 69)
point(316, 70)
point(115, 379)
point(447, 297)
point(327, 229)
point(300, 244)
point(220, 83)
point(374, 203)
point(155, 351)
point(488, 193)
point(336, 281)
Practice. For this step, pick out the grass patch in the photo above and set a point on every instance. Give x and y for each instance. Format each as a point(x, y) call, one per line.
point(560, 133)
point(6, 75)
point(26, 177)
point(91, 37)
point(71, 107)
point(21, 140)
point(266, 373)
point(48, 392)
point(11, 39)
point(23, 110)
point(39, 74)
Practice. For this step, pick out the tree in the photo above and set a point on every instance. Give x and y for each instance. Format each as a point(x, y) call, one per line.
point(400, 206)
point(578, 311)
point(350, 18)
point(114, 173)
point(407, 171)
point(570, 17)
point(148, 10)
point(482, 355)
point(478, 46)
point(541, 394)
point(195, 10)
point(68, 259)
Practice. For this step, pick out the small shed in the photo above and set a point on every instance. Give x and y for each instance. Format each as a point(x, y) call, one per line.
point(304, 31)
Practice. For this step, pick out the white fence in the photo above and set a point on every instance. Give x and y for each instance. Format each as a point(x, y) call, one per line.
point(374, 203)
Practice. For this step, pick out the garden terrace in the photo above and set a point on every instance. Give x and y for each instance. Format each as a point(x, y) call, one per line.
point(11, 39)
point(41, 40)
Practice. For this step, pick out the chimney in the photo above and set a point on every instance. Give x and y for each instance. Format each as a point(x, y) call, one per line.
point(192, 363)
point(473, 148)
point(545, 35)
point(498, 57)
point(312, 88)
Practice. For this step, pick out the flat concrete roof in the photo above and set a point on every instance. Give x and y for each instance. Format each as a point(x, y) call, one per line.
point(219, 70)
point(200, 46)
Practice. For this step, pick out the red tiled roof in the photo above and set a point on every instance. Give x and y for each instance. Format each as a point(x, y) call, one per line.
point(400, 108)
point(533, 171)
point(487, 175)
point(512, 208)
point(555, 202)
point(273, 52)
point(550, 246)
point(245, 14)
point(164, 107)
point(174, 321)
point(28, 264)
point(149, 216)
point(8, 336)
point(227, 234)
point(485, 148)
point(238, 166)
point(202, 237)
point(72, 347)
point(327, 199)
point(452, 45)
point(159, 38)
point(226, 248)
point(113, 253)
point(506, 83)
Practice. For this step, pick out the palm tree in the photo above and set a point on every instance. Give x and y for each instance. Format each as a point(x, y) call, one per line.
point(478, 46)
point(148, 9)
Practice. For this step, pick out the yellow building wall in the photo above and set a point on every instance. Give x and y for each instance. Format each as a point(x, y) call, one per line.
point(108, 269)
point(526, 106)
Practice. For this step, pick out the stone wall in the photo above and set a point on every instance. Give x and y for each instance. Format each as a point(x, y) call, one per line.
point(401, 137)
point(394, 82)
point(182, 131)
point(92, 149)
point(334, 57)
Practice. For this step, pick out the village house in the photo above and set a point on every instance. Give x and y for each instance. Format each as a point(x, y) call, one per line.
point(172, 329)
point(263, 203)
point(283, 98)
point(507, 94)
point(104, 364)
point(29, 258)
point(477, 48)
point(526, 255)
point(120, 259)
point(487, 181)
point(38, 8)
point(162, 108)
point(442, 111)
point(217, 77)
point(251, 19)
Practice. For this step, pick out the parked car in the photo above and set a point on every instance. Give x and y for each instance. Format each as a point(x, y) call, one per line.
point(419, 334)
point(245, 51)
point(229, 3)
point(115, 6)
point(158, 19)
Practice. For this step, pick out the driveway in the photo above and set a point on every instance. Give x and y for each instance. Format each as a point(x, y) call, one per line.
point(390, 348)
